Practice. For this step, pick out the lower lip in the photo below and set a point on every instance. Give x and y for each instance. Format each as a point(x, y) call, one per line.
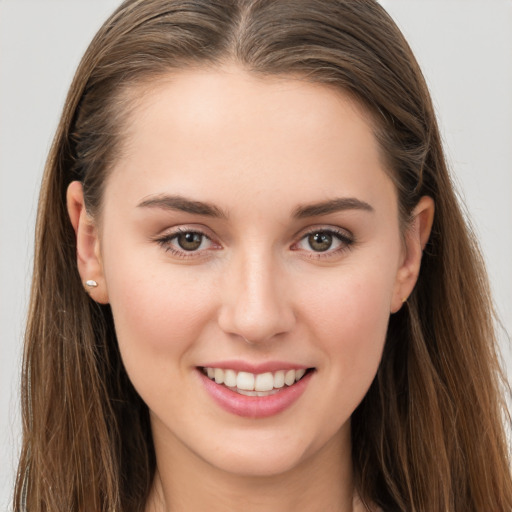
point(255, 406)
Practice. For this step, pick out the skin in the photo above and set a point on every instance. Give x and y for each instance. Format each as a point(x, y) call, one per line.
point(257, 150)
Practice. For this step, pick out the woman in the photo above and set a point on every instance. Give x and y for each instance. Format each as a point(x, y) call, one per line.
point(253, 285)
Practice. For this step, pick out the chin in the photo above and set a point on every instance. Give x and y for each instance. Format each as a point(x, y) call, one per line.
point(256, 465)
point(269, 455)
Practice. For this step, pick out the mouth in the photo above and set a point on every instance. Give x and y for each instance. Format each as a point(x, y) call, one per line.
point(256, 384)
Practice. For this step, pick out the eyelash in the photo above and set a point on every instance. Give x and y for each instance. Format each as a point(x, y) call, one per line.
point(166, 241)
point(344, 238)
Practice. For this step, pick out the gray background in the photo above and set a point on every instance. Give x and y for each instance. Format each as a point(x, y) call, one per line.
point(464, 47)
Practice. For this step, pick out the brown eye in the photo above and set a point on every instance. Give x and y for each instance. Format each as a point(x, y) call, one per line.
point(189, 241)
point(324, 243)
point(320, 241)
point(184, 243)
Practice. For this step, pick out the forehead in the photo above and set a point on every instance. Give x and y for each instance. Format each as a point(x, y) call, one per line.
point(196, 128)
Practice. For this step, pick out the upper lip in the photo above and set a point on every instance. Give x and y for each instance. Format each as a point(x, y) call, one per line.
point(256, 368)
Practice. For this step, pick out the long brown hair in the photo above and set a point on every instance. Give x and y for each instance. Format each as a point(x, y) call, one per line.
point(429, 435)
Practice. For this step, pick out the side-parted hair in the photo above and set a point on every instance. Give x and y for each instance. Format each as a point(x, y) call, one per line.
point(429, 435)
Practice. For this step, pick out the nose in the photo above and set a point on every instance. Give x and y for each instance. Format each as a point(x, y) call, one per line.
point(255, 303)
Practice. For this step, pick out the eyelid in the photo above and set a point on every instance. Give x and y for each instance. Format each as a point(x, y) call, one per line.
point(327, 228)
point(164, 240)
point(345, 237)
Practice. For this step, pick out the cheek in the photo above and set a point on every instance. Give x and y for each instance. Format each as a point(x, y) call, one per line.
point(348, 316)
point(159, 310)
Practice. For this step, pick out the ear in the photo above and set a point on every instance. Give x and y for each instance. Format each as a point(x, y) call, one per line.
point(416, 238)
point(88, 252)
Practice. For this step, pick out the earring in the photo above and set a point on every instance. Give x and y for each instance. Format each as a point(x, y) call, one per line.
point(91, 283)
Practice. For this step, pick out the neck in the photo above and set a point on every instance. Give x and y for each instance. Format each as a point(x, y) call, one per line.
point(185, 482)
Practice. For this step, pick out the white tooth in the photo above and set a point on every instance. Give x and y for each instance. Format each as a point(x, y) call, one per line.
point(289, 378)
point(299, 374)
point(268, 393)
point(264, 382)
point(219, 375)
point(257, 393)
point(247, 393)
point(279, 379)
point(210, 372)
point(230, 378)
point(245, 381)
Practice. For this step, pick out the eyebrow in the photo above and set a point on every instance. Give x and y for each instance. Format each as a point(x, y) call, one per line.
point(182, 204)
point(331, 206)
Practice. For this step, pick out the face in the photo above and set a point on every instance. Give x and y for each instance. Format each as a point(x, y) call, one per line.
point(249, 229)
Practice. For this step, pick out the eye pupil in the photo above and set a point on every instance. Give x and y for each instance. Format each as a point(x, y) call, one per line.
point(189, 241)
point(320, 241)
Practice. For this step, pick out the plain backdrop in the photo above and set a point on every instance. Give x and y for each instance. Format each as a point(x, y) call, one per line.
point(464, 47)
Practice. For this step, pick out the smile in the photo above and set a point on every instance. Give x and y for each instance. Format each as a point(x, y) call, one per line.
point(255, 384)
point(255, 394)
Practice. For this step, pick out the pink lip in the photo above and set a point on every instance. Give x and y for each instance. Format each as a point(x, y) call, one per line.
point(242, 366)
point(254, 406)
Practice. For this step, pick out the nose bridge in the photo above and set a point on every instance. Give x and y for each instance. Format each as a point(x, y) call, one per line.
point(255, 304)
